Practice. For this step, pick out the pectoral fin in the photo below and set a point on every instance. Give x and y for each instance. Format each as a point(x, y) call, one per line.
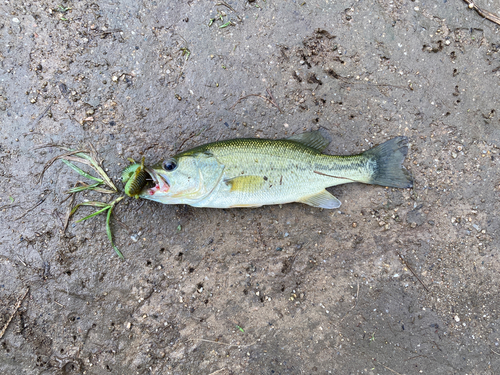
point(245, 183)
point(322, 200)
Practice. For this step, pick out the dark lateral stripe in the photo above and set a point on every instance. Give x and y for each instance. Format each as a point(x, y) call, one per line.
point(328, 175)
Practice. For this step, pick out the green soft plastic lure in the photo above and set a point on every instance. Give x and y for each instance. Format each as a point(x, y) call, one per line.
point(134, 177)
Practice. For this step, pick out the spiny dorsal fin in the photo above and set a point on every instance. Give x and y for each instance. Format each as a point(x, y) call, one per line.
point(323, 199)
point(313, 139)
point(245, 183)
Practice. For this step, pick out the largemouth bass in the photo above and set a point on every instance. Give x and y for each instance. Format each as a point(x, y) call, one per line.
point(253, 172)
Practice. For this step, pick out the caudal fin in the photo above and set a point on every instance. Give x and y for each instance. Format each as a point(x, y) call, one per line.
point(388, 158)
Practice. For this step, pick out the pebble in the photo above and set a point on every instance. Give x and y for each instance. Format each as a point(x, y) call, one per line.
point(454, 155)
point(114, 79)
point(354, 225)
point(16, 20)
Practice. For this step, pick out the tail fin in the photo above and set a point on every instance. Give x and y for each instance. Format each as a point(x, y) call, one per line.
point(388, 158)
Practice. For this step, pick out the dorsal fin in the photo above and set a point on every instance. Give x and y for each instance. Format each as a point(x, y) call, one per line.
point(313, 139)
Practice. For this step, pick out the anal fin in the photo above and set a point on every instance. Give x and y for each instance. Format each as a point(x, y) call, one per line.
point(322, 199)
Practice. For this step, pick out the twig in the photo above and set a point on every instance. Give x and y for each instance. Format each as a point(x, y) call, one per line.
point(411, 269)
point(213, 342)
point(56, 216)
point(51, 161)
point(35, 121)
point(24, 264)
point(122, 224)
point(226, 5)
point(68, 215)
point(388, 368)
point(31, 209)
point(495, 352)
point(192, 135)
point(273, 100)
point(18, 305)
point(483, 13)
point(355, 304)
point(111, 31)
point(229, 7)
point(258, 95)
point(218, 371)
point(223, 343)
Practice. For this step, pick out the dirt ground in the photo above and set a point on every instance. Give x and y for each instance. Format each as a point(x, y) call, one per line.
point(395, 282)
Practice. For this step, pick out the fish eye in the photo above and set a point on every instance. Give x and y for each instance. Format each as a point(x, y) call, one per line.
point(170, 165)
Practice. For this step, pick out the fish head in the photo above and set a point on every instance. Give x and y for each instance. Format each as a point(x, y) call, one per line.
point(183, 179)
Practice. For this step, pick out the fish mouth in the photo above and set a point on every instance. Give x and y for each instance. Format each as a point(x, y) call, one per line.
point(157, 184)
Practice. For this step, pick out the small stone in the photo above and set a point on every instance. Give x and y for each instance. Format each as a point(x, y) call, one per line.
point(413, 225)
point(354, 225)
point(16, 20)
point(454, 155)
point(447, 42)
point(89, 112)
point(381, 223)
point(457, 319)
point(33, 100)
point(114, 79)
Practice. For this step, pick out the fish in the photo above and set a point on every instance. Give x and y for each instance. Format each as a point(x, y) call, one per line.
point(253, 172)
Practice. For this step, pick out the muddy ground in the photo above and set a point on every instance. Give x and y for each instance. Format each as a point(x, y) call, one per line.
point(395, 282)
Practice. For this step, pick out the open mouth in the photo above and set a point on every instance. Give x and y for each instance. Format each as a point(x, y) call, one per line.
point(155, 184)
